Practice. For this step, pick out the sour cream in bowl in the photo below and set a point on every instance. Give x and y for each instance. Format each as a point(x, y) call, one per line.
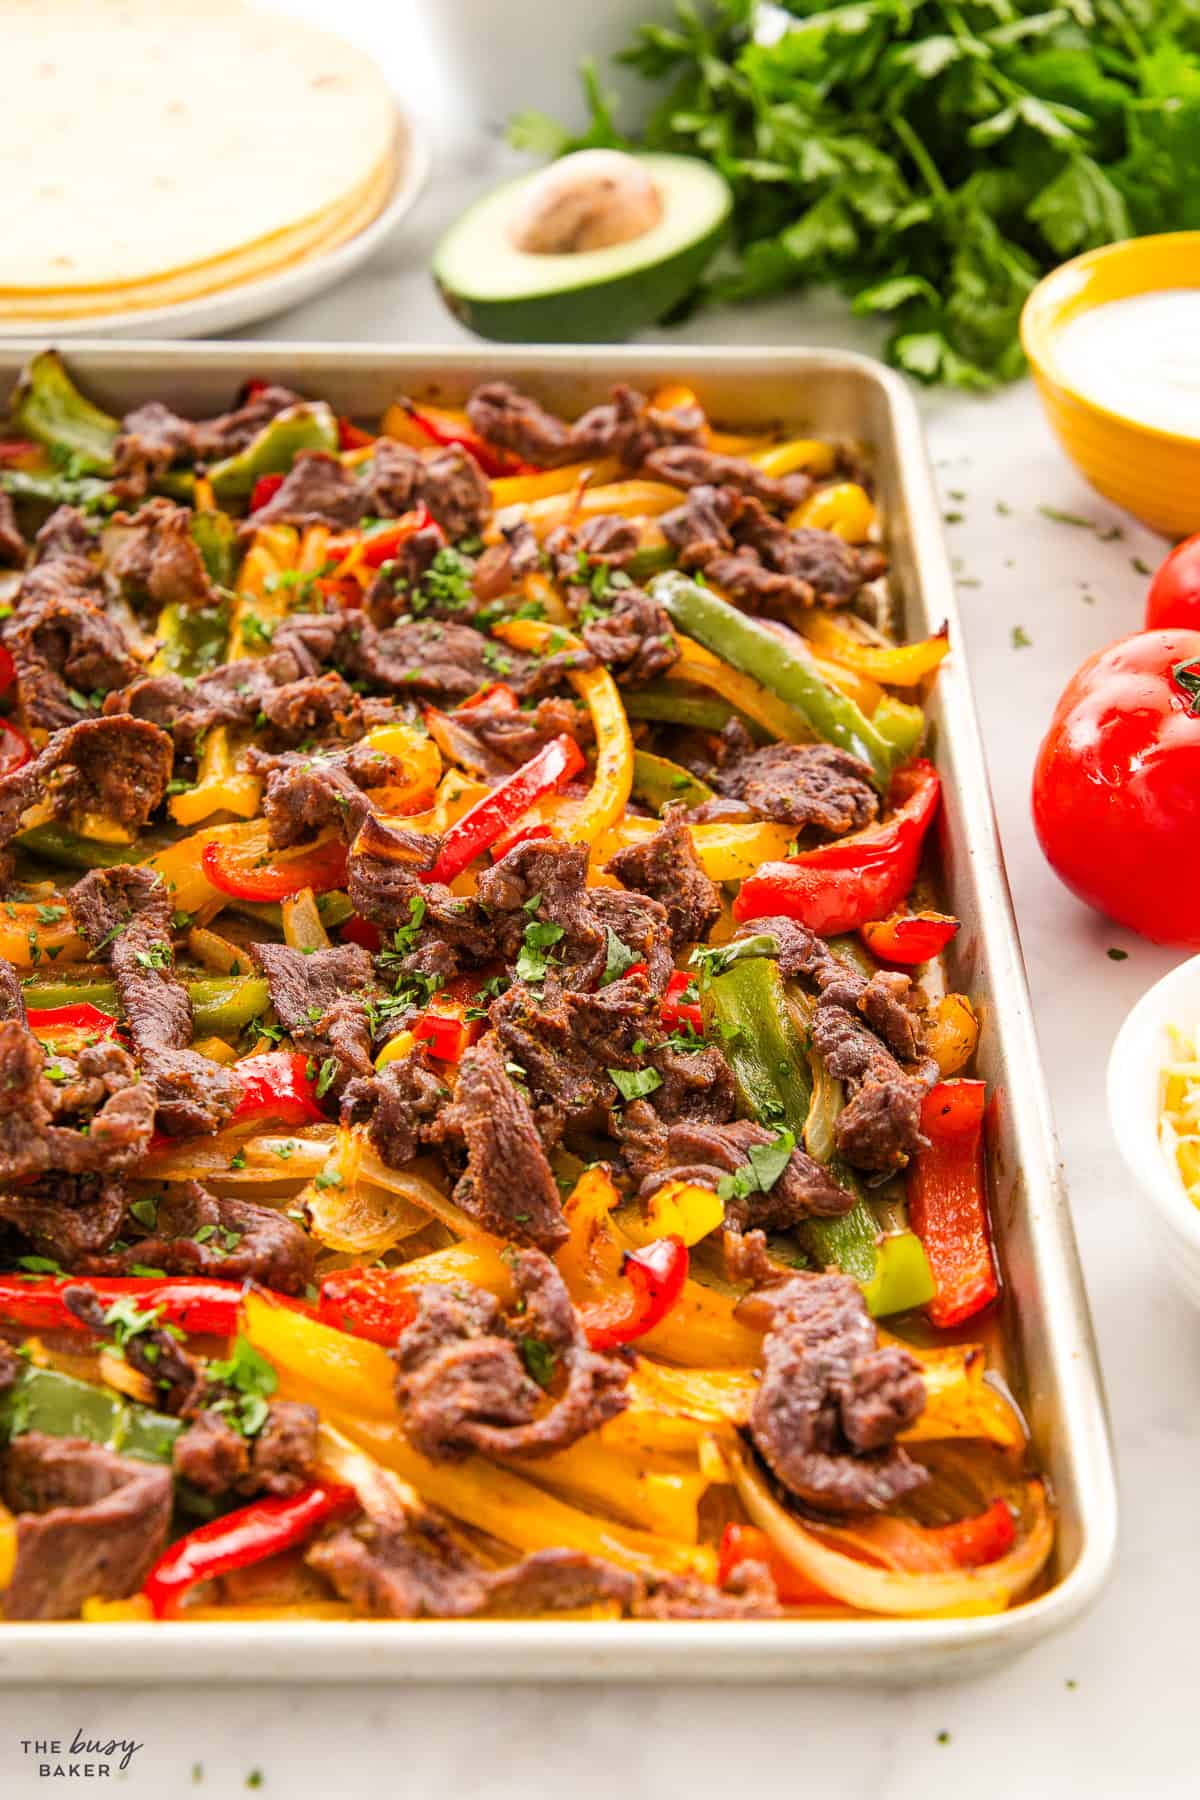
point(1113, 338)
point(1153, 1100)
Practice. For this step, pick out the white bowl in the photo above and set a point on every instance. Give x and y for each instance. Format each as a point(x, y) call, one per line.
point(1134, 1069)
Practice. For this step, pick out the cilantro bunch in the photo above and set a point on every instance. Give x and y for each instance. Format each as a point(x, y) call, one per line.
point(931, 158)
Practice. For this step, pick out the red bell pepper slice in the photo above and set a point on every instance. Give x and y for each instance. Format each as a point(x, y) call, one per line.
point(909, 937)
point(15, 748)
point(369, 1303)
point(322, 867)
point(361, 931)
point(446, 1035)
point(498, 696)
point(352, 436)
point(279, 1085)
point(745, 1543)
point(237, 1539)
point(264, 489)
point(339, 592)
point(447, 432)
point(15, 450)
point(947, 1202)
point(656, 1275)
point(381, 546)
point(984, 1539)
point(199, 1305)
point(256, 385)
point(71, 1027)
point(8, 669)
point(469, 836)
point(840, 887)
point(674, 1011)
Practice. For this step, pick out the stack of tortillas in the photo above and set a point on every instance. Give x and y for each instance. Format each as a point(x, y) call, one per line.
point(155, 151)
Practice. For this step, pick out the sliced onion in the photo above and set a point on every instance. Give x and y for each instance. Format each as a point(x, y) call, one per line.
point(350, 1213)
point(288, 1157)
point(381, 1493)
point(989, 1588)
point(414, 1183)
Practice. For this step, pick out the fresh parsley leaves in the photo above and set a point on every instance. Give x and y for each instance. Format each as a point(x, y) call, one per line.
point(534, 960)
point(635, 1084)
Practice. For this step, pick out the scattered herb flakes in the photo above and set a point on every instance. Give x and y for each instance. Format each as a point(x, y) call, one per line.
point(1115, 955)
point(619, 958)
point(534, 961)
point(1141, 567)
point(255, 1778)
point(327, 1076)
point(539, 1360)
point(1021, 639)
point(1071, 1683)
point(1004, 509)
point(943, 1737)
point(635, 1084)
point(1067, 518)
point(197, 1774)
point(953, 518)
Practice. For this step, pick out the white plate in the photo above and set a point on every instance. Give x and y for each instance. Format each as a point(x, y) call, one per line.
point(1134, 1071)
point(253, 300)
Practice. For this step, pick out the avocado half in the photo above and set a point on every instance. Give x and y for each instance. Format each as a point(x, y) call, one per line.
point(590, 296)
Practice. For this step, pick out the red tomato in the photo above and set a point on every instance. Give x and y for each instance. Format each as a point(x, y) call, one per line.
point(1174, 597)
point(1116, 789)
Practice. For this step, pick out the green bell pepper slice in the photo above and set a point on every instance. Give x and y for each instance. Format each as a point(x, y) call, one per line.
point(59, 845)
point(788, 672)
point(747, 1006)
point(87, 492)
point(192, 639)
point(221, 1004)
point(657, 781)
point(62, 1406)
point(47, 406)
point(651, 559)
point(215, 536)
point(310, 426)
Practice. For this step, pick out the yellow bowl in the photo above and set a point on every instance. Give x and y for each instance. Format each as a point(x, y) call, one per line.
point(1153, 474)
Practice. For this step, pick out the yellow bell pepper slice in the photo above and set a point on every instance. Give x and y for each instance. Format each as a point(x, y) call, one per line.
point(812, 455)
point(631, 499)
point(728, 849)
point(844, 508)
point(421, 764)
point(261, 601)
point(587, 820)
point(677, 1209)
point(181, 869)
point(542, 591)
point(523, 490)
point(903, 665)
point(27, 939)
point(134, 1611)
point(701, 666)
point(396, 1049)
point(952, 1036)
point(8, 1546)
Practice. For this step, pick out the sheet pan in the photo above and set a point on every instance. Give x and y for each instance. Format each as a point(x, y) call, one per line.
point(1048, 1342)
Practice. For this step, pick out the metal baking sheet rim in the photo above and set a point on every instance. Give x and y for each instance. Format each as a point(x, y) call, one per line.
point(1066, 1384)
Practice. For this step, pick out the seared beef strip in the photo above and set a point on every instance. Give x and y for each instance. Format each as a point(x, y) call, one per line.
point(630, 427)
point(66, 535)
point(503, 566)
point(12, 998)
point(504, 416)
point(749, 1593)
point(70, 1218)
point(64, 647)
point(238, 1241)
point(89, 1523)
point(462, 1385)
point(758, 561)
point(116, 766)
point(154, 1350)
point(215, 1457)
point(491, 738)
point(398, 1106)
point(507, 1185)
point(803, 785)
point(704, 1153)
point(667, 868)
point(691, 466)
point(320, 490)
point(308, 791)
point(387, 886)
point(636, 640)
point(859, 1030)
point(32, 1143)
point(321, 1002)
point(125, 915)
point(832, 1400)
point(13, 548)
point(153, 437)
point(578, 553)
point(154, 557)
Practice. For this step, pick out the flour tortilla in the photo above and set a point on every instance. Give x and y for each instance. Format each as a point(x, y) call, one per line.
point(147, 138)
point(253, 264)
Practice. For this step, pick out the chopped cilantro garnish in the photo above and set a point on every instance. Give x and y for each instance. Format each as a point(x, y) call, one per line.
point(633, 1084)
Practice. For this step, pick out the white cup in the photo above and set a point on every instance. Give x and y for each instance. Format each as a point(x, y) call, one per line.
point(504, 57)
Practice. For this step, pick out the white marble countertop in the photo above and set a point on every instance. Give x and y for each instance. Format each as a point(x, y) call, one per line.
point(1102, 1710)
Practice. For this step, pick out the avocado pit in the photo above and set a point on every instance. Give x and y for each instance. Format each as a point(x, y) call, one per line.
point(587, 201)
